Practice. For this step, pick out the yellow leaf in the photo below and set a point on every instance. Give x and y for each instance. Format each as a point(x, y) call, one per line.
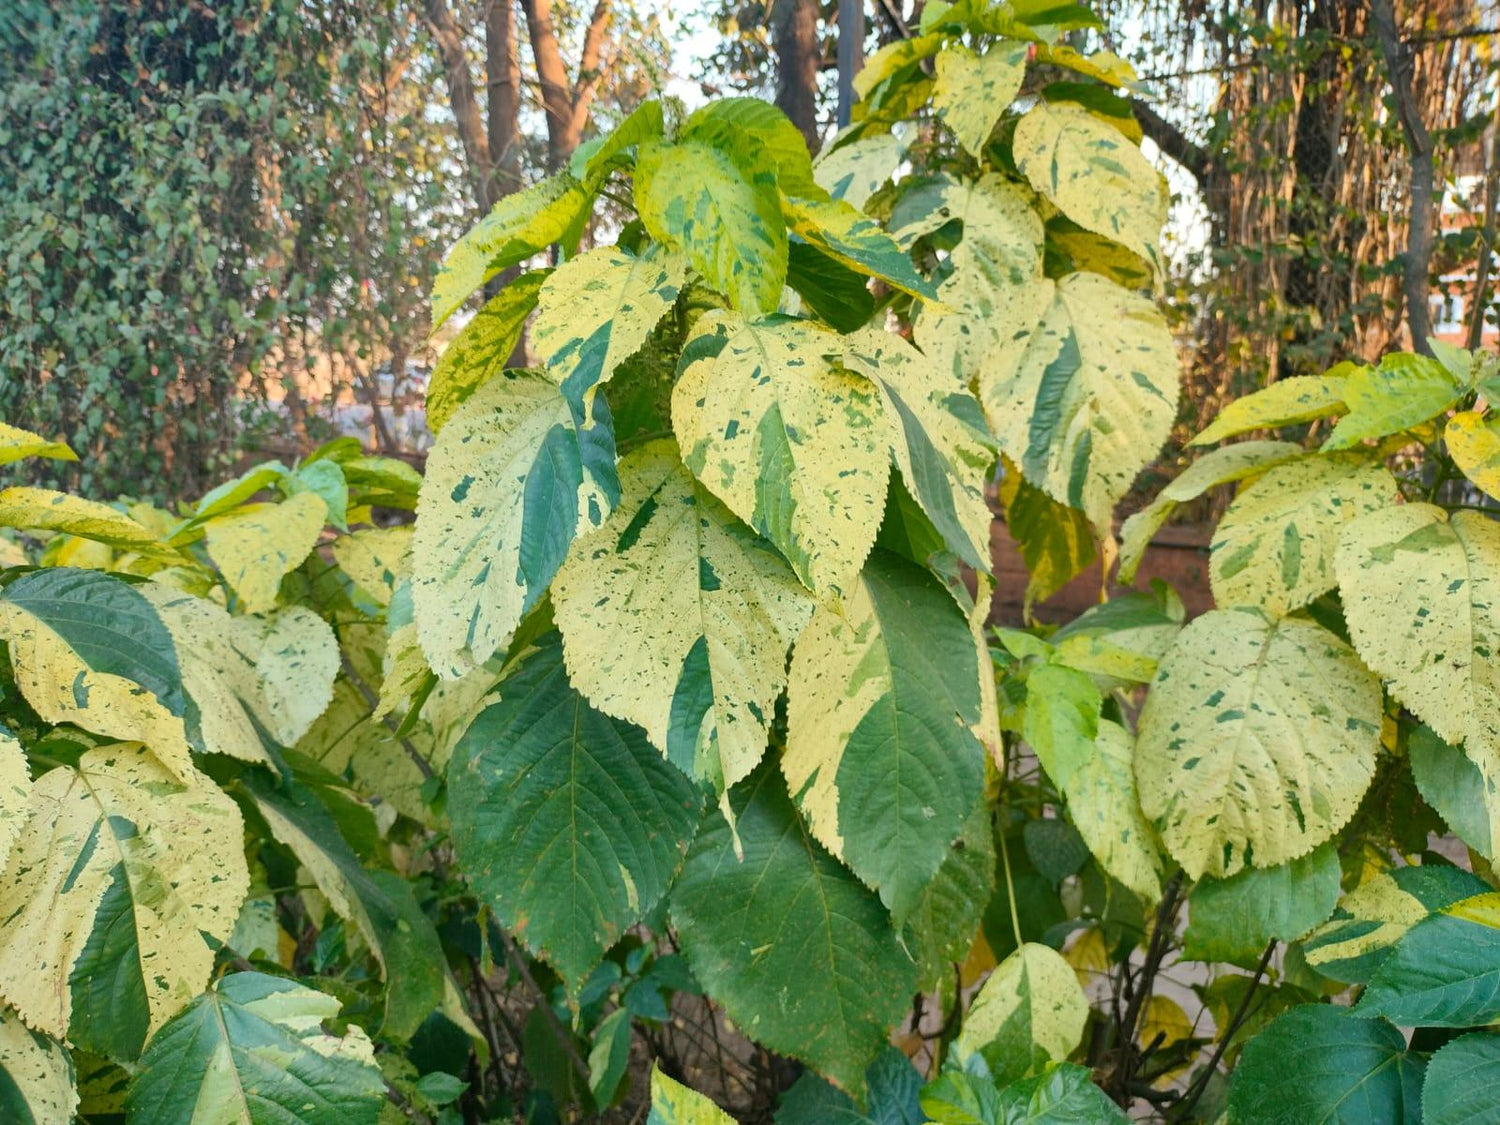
point(41, 509)
point(260, 544)
point(374, 557)
point(974, 90)
point(1474, 445)
point(16, 444)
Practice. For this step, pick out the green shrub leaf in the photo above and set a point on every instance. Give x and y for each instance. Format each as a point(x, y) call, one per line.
point(1460, 1087)
point(1445, 970)
point(1029, 1012)
point(1233, 919)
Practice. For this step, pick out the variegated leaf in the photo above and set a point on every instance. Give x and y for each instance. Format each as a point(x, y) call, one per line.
point(1402, 392)
point(1106, 809)
point(257, 546)
point(37, 1083)
point(1474, 445)
point(481, 350)
point(1029, 1013)
point(855, 171)
point(41, 509)
point(16, 444)
point(973, 90)
point(1286, 402)
point(852, 238)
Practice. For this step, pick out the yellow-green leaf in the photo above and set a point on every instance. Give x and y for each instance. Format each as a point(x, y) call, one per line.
point(257, 546)
point(1256, 742)
point(1106, 810)
point(672, 1103)
point(373, 558)
point(852, 238)
point(16, 444)
point(1056, 541)
point(1474, 445)
point(855, 171)
point(41, 509)
point(1402, 392)
point(15, 791)
point(974, 90)
point(1286, 402)
point(480, 351)
point(1029, 1012)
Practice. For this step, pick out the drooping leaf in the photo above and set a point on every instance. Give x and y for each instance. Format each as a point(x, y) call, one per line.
point(1459, 1087)
point(1093, 174)
point(568, 823)
point(1256, 742)
point(1055, 541)
point(1233, 919)
point(41, 509)
point(1030, 1012)
point(642, 123)
point(1274, 546)
point(855, 171)
point(597, 310)
point(1286, 402)
point(117, 889)
point(1092, 398)
point(672, 1103)
point(517, 227)
point(255, 547)
point(1444, 971)
point(1320, 1063)
point(509, 485)
point(1474, 446)
point(36, 1076)
point(480, 351)
point(880, 756)
point(253, 1049)
point(973, 90)
point(1454, 786)
point(794, 445)
point(699, 674)
point(791, 945)
point(1106, 810)
point(1401, 392)
point(851, 238)
point(17, 444)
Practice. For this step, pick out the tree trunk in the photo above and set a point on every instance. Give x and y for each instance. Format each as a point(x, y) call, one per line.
point(565, 105)
point(795, 35)
point(503, 86)
point(471, 130)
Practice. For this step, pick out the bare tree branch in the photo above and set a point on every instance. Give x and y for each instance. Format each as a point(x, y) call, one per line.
point(1193, 157)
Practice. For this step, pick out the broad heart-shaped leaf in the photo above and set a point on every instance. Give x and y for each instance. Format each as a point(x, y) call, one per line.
point(1001, 230)
point(482, 348)
point(256, 546)
point(1233, 919)
point(1320, 1063)
point(793, 444)
point(1029, 1012)
point(726, 122)
point(1454, 786)
point(88, 648)
point(1106, 810)
point(509, 484)
point(1256, 742)
point(1092, 397)
point(597, 310)
point(1402, 392)
point(17, 444)
point(36, 1076)
point(851, 238)
point(1421, 594)
point(1372, 918)
point(1474, 446)
point(1460, 1087)
point(116, 892)
point(41, 509)
point(253, 1050)
point(880, 757)
point(938, 438)
point(699, 673)
point(1095, 175)
point(974, 90)
point(1286, 402)
point(380, 904)
point(1274, 547)
point(672, 1103)
point(718, 204)
point(568, 823)
point(786, 940)
point(15, 791)
point(1444, 971)
point(517, 227)
point(855, 171)
point(1232, 463)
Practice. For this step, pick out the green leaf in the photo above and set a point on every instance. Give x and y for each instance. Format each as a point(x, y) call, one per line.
point(253, 1049)
point(17, 444)
point(1459, 1088)
point(256, 546)
point(482, 348)
point(973, 91)
point(1402, 392)
point(510, 483)
point(1286, 402)
point(597, 310)
point(1064, 1095)
point(1445, 970)
point(721, 207)
point(672, 1103)
point(609, 1056)
point(834, 293)
point(700, 674)
point(1320, 1063)
point(851, 238)
point(855, 171)
point(1454, 786)
point(786, 940)
point(642, 123)
point(1372, 918)
point(1030, 1012)
point(117, 890)
point(1106, 810)
point(1091, 398)
point(519, 226)
point(441, 1089)
point(893, 58)
point(231, 494)
point(880, 756)
point(568, 824)
point(1093, 174)
point(1274, 547)
point(1474, 445)
point(1062, 719)
point(940, 928)
point(36, 1076)
point(892, 1090)
point(1256, 742)
point(1234, 919)
point(791, 443)
point(324, 479)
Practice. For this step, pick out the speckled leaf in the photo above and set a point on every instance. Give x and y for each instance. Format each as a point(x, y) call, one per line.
point(1000, 228)
point(1233, 919)
point(15, 791)
point(855, 171)
point(727, 122)
point(257, 546)
point(721, 207)
point(1106, 810)
point(17, 444)
point(517, 227)
point(40, 509)
point(1029, 1012)
point(1061, 720)
point(938, 439)
point(253, 1050)
point(36, 1076)
point(672, 1103)
point(592, 166)
point(893, 58)
point(598, 310)
point(700, 674)
point(1286, 402)
point(793, 444)
point(1093, 174)
point(974, 90)
point(1459, 1088)
point(1474, 445)
point(1402, 392)
point(373, 558)
point(481, 349)
point(851, 238)
point(509, 485)
point(797, 952)
point(1256, 742)
point(568, 824)
point(880, 757)
point(1274, 546)
point(1092, 398)
point(1444, 971)
point(116, 893)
